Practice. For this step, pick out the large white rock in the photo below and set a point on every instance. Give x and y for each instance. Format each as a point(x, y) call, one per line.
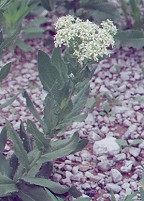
point(106, 146)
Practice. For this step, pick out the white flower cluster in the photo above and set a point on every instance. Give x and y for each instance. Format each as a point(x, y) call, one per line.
point(88, 40)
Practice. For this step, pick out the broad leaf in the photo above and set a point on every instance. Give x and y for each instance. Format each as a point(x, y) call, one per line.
point(13, 164)
point(34, 193)
point(48, 74)
point(130, 38)
point(10, 101)
point(23, 46)
point(81, 145)
point(34, 30)
point(101, 10)
point(52, 186)
point(18, 146)
point(7, 42)
point(83, 199)
point(5, 168)
point(46, 170)
point(4, 71)
point(131, 196)
point(3, 139)
point(53, 155)
point(48, 4)
point(41, 142)
point(36, 22)
point(7, 186)
point(66, 122)
point(32, 108)
point(53, 196)
point(74, 192)
point(79, 102)
point(51, 114)
point(60, 65)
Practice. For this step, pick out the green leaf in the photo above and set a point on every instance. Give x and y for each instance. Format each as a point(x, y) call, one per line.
point(52, 186)
point(53, 197)
point(7, 42)
point(34, 193)
point(83, 199)
point(7, 186)
point(101, 10)
point(8, 102)
point(4, 71)
point(81, 145)
point(3, 139)
point(66, 122)
point(60, 65)
point(112, 196)
point(74, 192)
point(32, 35)
point(36, 22)
point(31, 108)
point(48, 74)
point(41, 142)
point(136, 13)
point(79, 102)
point(107, 107)
point(5, 168)
point(34, 30)
point(25, 139)
point(130, 38)
point(46, 170)
point(51, 114)
point(13, 164)
point(53, 155)
point(91, 102)
point(48, 4)
point(122, 142)
point(23, 46)
point(64, 151)
point(141, 193)
point(130, 197)
point(136, 142)
point(18, 146)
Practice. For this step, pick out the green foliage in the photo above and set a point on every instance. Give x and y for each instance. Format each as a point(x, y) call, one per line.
point(11, 17)
point(26, 175)
point(25, 180)
point(4, 71)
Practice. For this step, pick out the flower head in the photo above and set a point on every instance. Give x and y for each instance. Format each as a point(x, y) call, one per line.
point(88, 40)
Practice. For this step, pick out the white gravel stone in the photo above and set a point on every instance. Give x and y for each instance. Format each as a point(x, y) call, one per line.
point(139, 116)
point(126, 122)
point(106, 146)
point(134, 151)
point(104, 129)
point(113, 187)
point(85, 155)
point(127, 167)
point(90, 120)
point(92, 137)
point(119, 157)
point(139, 90)
point(77, 177)
point(116, 175)
point(119, 109)
point(104, 165)
point(122, 88)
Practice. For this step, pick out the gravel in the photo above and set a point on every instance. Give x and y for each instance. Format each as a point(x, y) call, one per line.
point(120, 168)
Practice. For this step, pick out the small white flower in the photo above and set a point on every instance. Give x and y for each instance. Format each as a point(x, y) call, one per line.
point(88, 40)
